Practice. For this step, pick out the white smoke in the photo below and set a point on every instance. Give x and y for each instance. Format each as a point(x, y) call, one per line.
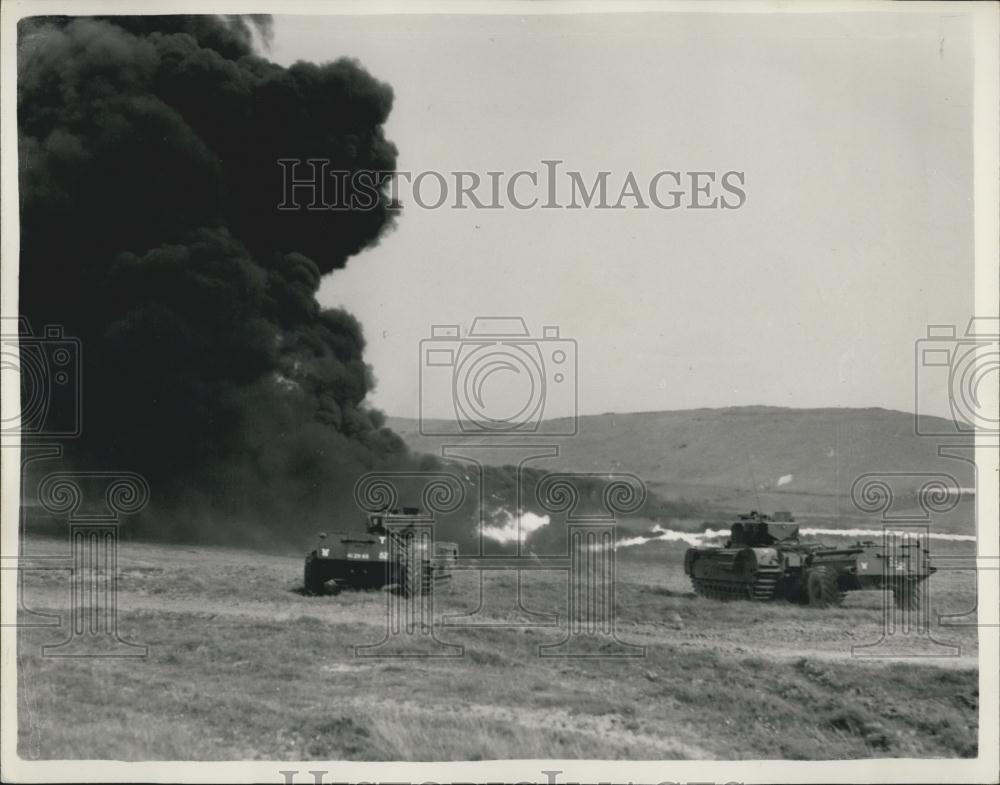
point(877, 533)
point(673, 535)
point(505, 529)
point(700, 538)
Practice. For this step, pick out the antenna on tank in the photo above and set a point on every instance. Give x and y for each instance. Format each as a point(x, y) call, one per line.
point(753, 479)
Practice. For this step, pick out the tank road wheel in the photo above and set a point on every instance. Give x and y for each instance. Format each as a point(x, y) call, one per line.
point(907, 595)
point(312, 577)
point(821, 587)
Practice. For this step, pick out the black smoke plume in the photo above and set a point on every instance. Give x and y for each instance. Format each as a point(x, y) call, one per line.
point(149, 183)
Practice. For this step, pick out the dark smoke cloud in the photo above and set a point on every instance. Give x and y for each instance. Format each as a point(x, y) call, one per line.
point(149, 229)
point(149, 183)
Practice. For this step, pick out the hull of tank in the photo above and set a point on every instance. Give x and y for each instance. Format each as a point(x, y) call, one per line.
point(800, 572)
point(364, 563)
point(735, 573)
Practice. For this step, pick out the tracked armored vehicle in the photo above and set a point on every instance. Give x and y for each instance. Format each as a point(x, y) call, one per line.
point(395, 550)
point(764, 560)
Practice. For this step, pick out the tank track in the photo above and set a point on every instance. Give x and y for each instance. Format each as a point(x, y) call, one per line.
point(761, 589)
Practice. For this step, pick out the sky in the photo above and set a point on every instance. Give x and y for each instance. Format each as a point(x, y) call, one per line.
point(853, 134)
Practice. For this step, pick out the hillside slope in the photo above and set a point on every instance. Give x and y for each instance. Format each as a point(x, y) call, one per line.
point(803, 459)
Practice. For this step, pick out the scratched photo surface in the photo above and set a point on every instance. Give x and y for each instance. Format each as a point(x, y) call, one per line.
point(497, 387)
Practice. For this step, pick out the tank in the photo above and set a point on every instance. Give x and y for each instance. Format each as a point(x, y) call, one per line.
point(764, 560)
point(388, 553)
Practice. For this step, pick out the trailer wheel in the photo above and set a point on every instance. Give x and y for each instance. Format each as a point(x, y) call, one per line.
point(821, 587)
point(907, 595)
point(312, 578)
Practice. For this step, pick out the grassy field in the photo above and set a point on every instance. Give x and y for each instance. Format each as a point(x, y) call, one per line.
point(241, 665)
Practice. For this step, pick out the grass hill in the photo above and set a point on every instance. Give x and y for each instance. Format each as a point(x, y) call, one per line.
point(805, 460)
